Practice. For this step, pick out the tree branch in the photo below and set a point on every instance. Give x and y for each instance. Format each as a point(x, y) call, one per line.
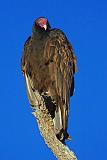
point(46, 128)
point(45, 124)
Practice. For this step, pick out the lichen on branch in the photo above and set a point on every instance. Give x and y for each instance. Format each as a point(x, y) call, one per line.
point(46, 128)
point(45, 124)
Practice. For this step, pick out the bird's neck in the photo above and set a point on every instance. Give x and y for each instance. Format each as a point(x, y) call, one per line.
point(39, 34)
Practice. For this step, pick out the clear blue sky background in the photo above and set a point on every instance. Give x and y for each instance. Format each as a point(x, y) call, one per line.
point(85, 24)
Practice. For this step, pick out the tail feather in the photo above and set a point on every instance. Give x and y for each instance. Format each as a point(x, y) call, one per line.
point(57, 121)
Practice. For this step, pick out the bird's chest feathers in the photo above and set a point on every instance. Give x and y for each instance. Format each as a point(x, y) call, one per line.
point(38, 49)
point(38, 58)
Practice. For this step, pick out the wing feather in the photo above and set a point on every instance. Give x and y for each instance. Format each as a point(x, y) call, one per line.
point(61, 67)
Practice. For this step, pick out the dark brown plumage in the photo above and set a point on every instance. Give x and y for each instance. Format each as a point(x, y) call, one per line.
point(49, 62)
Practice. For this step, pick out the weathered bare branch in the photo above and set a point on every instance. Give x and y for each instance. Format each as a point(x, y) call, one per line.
point(45, 124)
point(46, 128)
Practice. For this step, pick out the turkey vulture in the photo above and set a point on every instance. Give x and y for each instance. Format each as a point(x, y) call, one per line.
point(49, 64)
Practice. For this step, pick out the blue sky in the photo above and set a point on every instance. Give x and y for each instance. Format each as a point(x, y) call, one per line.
point(85, 25)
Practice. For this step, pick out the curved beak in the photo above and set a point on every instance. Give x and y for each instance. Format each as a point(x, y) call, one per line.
point(45, 27)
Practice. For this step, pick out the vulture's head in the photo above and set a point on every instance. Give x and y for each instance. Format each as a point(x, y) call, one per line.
point(41, 24)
